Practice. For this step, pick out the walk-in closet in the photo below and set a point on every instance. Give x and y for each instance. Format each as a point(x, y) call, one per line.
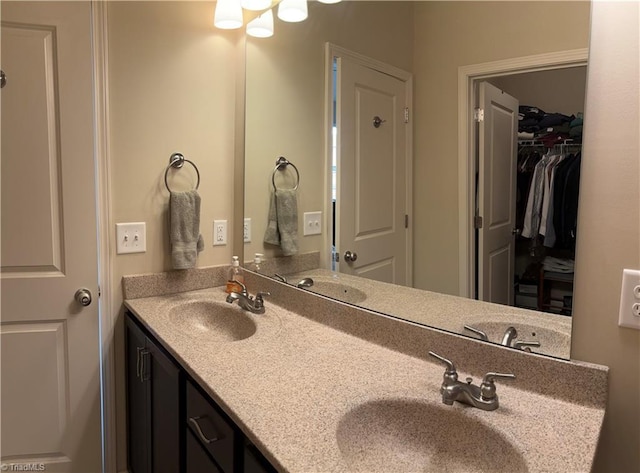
point(548, 183)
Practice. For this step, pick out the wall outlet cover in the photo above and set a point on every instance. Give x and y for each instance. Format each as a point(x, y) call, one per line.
point(630, 299)
point(219, 232)
point(246, 231)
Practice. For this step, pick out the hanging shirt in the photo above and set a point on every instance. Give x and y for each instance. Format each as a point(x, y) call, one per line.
point(534, 202)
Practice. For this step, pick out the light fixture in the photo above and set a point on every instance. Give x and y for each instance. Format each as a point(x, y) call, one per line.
point(262, 26)
point(255, 5)
point(228, 14)
point(329, 1)
point(292, 11)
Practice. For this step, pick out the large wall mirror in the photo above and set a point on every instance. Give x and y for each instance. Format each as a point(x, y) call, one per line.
point(408, 55)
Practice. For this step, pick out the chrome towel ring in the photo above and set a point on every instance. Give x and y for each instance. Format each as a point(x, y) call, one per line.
point(281, 165)
point(176, 161)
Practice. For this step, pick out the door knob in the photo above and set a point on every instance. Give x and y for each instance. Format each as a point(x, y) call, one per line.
point(516, 232)
point(83, 297)
point(350, 256)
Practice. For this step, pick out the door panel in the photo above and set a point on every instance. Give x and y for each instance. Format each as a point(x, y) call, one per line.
point(496, 194)
point(50, 343)
point(372, 162)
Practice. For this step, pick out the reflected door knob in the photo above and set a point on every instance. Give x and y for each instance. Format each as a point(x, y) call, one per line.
point(350, 256)
point(516, 232)
point(83, 297)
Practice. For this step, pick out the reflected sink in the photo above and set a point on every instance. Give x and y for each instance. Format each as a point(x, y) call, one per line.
point(412, 436)
point(339, 291)
point(548, 337)
point(212, 321)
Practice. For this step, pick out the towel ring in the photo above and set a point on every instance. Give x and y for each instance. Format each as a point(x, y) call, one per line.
point(176, 161)
point(283, 162)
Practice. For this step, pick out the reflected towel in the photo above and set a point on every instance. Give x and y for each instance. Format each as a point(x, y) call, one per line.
point(282, 227)
point(184, 229)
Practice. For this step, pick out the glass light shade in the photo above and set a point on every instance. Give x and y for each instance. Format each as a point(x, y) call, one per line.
point(228, 14)
point(262, 26)
point(292, 11)
point(329, 1)
point(255, 5)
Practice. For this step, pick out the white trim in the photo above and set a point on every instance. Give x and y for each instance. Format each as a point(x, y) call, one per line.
point(103, 203)
point(331, 51)
point(466, 162)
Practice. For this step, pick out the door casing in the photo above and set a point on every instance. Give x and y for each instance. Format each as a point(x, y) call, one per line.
point(467, 78)
point(332, 51)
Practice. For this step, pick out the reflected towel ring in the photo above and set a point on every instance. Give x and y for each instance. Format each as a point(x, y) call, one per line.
point(282, 162)
point(176, 161)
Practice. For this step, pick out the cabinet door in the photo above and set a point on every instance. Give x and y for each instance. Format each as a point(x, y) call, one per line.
point(197, 459)
point(138, 408)
point(165, 411)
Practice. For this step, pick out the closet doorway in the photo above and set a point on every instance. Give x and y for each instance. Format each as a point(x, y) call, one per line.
point(524, 251)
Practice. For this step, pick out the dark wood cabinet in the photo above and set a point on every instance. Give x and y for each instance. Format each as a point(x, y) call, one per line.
point(153, 413)
point(173, 425)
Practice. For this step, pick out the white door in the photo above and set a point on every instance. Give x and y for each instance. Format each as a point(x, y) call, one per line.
point(373, 155)
point(497, 150)
point(50, 395)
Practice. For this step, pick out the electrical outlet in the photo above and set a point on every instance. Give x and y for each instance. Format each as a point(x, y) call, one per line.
point(246, 231)
point(131, 237)
point(630, 299)
point(312, 223)
point(219, 232)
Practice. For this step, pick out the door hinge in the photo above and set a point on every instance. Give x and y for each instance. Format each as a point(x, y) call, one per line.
point(406, 114)
point(478, 114)
point(477, 221)
point(336, 257)
point(406, 221)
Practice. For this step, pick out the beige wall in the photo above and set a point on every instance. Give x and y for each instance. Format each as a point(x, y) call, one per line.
point(555, 91)
point(609, 226)
point(449, 35)
point(171, 88)
point(285, 98)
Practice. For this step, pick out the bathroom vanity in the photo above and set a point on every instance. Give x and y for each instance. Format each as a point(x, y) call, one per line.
point(317, 385)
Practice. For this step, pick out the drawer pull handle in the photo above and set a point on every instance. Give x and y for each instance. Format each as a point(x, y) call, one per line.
point(194, 422)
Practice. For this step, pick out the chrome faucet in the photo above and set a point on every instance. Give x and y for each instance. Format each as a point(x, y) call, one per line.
point(508, 339)
point(255, 306)
point(304, 283)
point(483, 397)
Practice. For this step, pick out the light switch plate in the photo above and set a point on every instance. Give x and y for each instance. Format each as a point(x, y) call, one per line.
point(630, 299)
point(312, 223)
point(131, 237)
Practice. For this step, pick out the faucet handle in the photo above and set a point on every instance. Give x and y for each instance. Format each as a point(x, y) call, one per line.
point(260, 294)
point(244, 288)
point(488, 388)
point(483, 335)
point(522, 344)
point(450, 373)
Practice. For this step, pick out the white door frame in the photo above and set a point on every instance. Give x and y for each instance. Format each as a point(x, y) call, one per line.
point(103, 204)
point(331, 51)
point(467, 75)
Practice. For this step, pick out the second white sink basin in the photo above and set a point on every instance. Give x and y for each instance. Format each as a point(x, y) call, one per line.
point(212, 321)
point(403, 435)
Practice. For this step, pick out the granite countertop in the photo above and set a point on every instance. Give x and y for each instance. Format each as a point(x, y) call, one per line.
point(306, 393)
point(446, 312)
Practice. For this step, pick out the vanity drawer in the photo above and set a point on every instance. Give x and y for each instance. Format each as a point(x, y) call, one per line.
point(213, 432)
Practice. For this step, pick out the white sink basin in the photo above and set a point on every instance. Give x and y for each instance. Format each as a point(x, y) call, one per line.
point(401, 435)
point(212, 321)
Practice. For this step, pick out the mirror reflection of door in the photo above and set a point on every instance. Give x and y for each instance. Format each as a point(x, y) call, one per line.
point(372, 203)
point(496, 201)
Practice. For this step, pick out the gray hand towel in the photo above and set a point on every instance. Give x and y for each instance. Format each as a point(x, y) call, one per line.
point(282, 227)
point(184, 229)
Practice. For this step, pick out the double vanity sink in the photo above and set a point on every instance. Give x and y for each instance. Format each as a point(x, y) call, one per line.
point(319, 386)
